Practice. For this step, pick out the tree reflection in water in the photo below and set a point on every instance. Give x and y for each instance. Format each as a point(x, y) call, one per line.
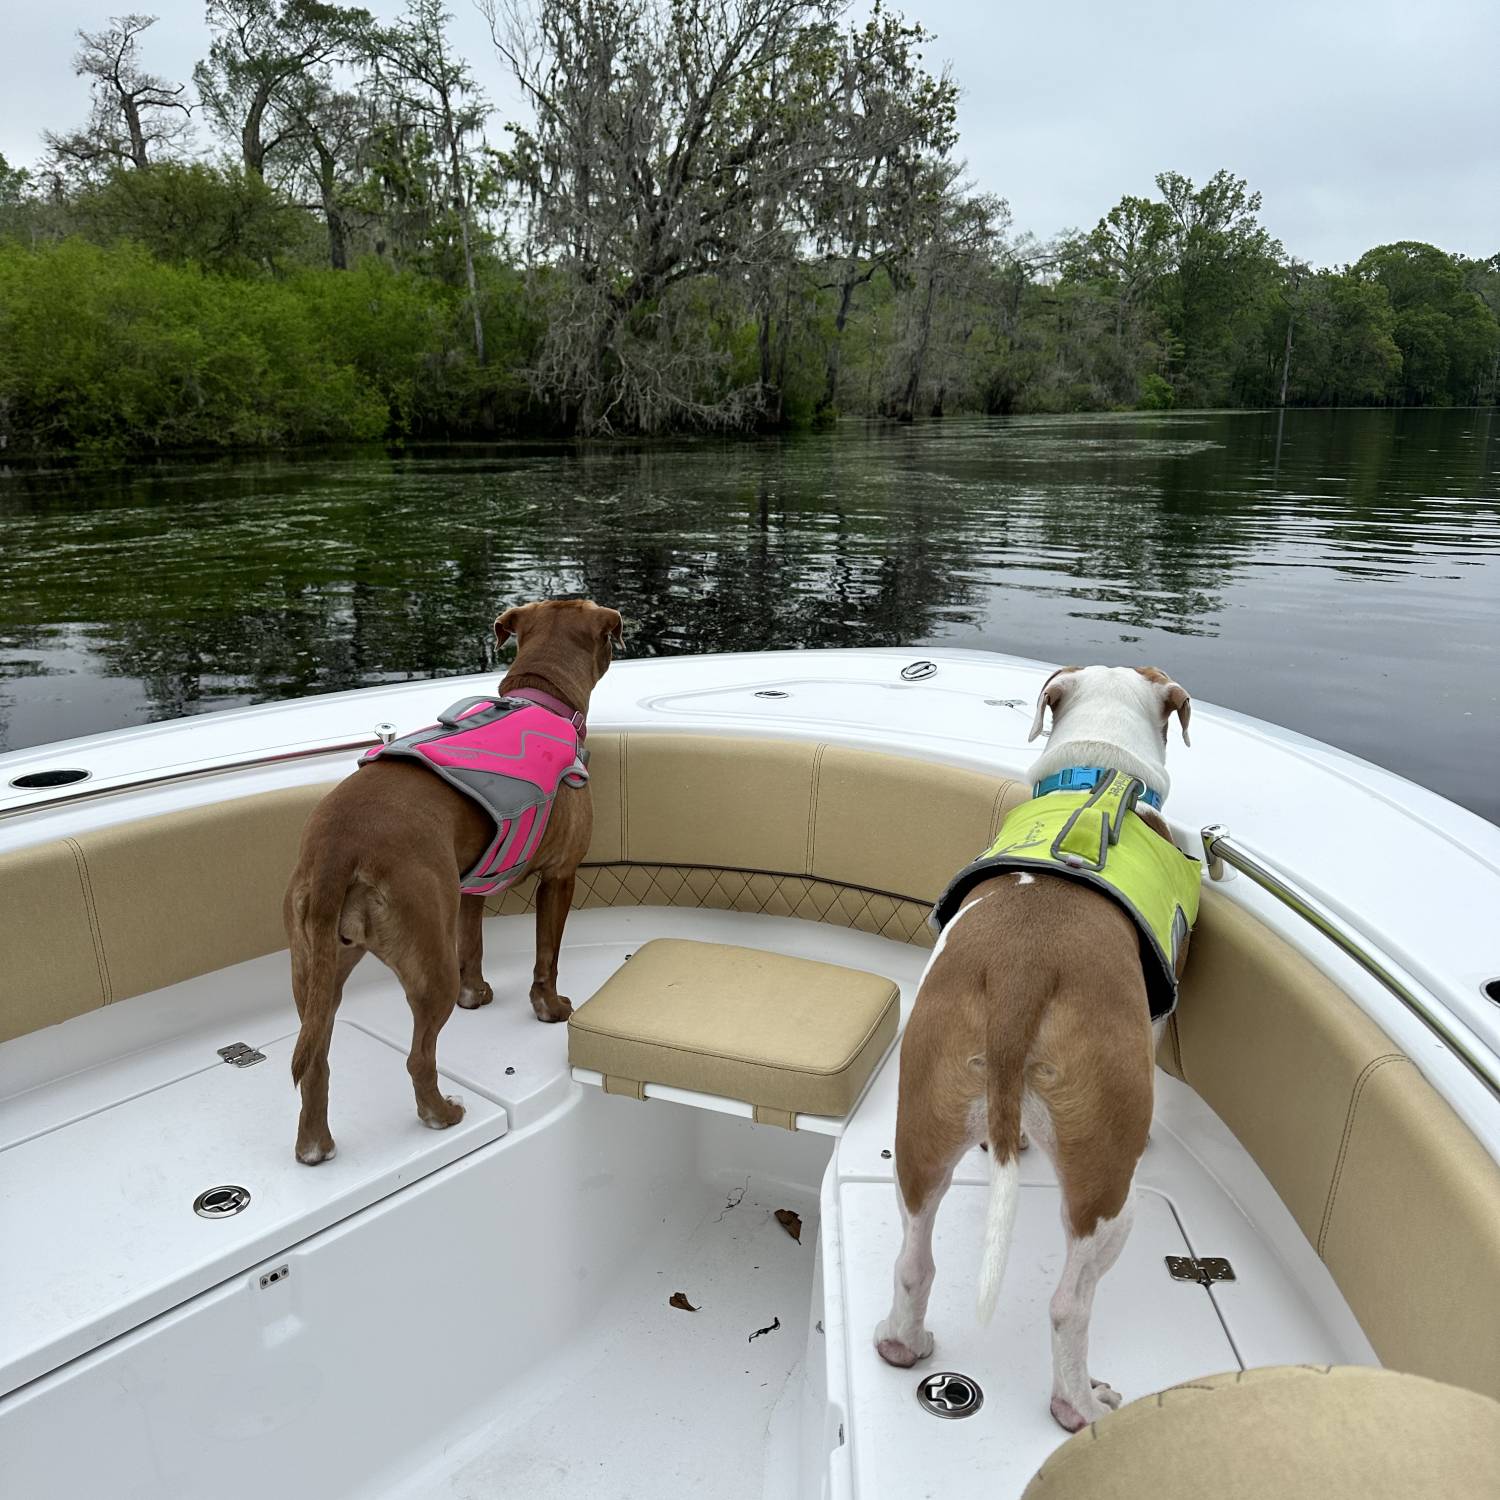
point(1336, 571)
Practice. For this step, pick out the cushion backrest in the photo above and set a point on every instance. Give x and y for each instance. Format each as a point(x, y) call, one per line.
point(131, 907)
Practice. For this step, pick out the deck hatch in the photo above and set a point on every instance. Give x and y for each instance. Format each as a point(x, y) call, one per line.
point(100, 1233)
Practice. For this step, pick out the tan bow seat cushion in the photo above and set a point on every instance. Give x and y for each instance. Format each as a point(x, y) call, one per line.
point(786, 1035)
point(1287, 1432)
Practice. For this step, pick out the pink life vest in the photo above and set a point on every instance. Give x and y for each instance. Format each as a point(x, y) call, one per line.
point(509, 755)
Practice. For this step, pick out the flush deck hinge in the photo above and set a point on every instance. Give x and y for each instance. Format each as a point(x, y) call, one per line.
point(238, 1055)
point(1205, 1270)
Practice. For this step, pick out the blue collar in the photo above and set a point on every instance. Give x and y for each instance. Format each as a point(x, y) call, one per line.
point(1084, 778)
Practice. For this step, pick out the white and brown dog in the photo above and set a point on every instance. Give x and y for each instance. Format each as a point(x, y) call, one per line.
point(1034, 1011)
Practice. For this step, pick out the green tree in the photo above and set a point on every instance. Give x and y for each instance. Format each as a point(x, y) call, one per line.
point(869, 210)
point(1482, 277)
point(1129, 251)
point(670, 138)
point(110, 351)
point(328, 136)
point(1345, 351)
point(15, 184)
point(1447, 334)
point(189, 213)
point(420, 70)
point(262, 49)
point(1222, 262)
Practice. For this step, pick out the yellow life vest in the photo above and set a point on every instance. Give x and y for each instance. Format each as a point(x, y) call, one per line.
point(1096, 837)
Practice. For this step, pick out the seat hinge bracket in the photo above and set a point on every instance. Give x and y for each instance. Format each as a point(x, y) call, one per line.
point(238, 1055)
point(1205, 1271)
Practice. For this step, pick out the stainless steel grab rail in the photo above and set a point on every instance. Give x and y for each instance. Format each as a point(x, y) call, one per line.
point(1220, 850)
point(86, 792)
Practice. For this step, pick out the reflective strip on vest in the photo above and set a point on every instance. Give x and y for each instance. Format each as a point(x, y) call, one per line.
point(1097, 838)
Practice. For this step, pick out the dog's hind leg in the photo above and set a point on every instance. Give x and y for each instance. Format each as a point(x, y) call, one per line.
point(1099, 1110)
point(1077, 1399)
point(427, 965)
point(472, 990)
point(903, 1338)
point(314, 1140)
point(1091, 1073)
point(935, 1125)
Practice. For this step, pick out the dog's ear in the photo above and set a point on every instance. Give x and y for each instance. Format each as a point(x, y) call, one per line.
point(1177, 701)
point(509, 623)
point(1174, 700)
point(612, 625)
point(1054, 690)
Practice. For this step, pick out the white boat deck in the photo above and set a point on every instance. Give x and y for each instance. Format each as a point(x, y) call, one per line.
point(653, 1400)
point(575, 1373)
point(487, 1307)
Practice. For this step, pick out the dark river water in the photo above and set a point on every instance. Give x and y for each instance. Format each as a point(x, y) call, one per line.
point(1338, 572)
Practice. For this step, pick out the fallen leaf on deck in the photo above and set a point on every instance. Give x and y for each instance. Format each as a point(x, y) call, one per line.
point(790, 1222)
point(679, 1300)
point(769, 1328)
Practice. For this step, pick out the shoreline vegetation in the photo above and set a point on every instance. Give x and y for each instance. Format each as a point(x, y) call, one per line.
point(717, 218)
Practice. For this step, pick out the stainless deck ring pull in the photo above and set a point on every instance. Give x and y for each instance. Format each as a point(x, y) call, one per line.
point(949, 1394)
point(221, 1202)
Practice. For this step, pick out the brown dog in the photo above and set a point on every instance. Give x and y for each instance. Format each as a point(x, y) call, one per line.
point(1034, 1011)
point(379, 870)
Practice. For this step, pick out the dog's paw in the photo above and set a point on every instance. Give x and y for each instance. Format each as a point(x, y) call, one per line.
point(1073, 1416)
point(311, 1155)
point(441, 1119)
point(1067, 1416)
point(551, 1008)
point(902, 1353)
point(472, 999)
point(1108, 1395)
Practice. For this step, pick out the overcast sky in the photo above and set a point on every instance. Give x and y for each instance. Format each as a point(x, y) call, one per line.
point(1360, 121)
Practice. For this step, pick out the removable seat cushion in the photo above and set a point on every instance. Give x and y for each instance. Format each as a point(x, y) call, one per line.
point(787, 1035)
point(1286, 1432)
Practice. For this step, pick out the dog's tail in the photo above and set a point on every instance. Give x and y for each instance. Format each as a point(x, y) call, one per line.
point(313, 915)
point(1014, 1012)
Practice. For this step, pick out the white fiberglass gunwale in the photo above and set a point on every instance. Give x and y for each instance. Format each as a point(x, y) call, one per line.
point(1406, 872)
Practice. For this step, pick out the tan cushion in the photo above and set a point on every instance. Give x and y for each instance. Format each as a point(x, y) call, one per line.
point(1385, 1180)
point(893, 824)
point(1286, 1433)
point(193, 891)
point(607, 845)
point(701, 800)
point(784, 1034)
point(53, 966)
point(1413, 1231)
point(1256, 1017)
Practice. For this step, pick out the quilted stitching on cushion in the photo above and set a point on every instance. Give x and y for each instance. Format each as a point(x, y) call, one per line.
point(734, 890)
